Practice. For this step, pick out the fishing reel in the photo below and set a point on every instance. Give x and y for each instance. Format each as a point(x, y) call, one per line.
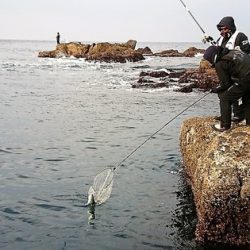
point(208, 39)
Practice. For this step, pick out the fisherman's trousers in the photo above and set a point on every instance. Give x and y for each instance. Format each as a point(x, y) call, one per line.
point(228, 97)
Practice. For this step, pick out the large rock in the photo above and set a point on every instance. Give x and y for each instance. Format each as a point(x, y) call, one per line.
point(113, 53)
point(107, 52)
point(192, 51)
point(75, 49)
point(218, 166)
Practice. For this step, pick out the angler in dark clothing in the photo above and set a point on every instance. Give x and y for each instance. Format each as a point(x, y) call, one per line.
point(231, 38)
point(58, 38)
point(230, 64)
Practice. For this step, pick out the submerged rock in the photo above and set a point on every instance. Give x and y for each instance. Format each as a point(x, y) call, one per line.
point(218, 166)
point(157, 74)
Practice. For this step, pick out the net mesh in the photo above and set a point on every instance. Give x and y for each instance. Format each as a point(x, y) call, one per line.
point(102, 186)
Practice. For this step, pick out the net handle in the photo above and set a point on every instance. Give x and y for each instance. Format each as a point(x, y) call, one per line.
point(172, 119)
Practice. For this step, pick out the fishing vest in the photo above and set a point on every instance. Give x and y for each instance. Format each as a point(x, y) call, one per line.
point(231, 42)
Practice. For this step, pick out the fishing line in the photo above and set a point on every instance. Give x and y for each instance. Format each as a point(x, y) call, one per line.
point(101, 189)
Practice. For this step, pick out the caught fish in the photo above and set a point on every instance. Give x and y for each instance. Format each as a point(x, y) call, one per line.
point(91, 205)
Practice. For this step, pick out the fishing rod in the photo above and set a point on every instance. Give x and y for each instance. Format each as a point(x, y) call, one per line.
point(101, 189)
point(206, 37)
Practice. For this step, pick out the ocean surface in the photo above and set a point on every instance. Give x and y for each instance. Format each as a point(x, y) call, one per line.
point(63, 121)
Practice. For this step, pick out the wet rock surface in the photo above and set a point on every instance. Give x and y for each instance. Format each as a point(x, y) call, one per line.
point(218, 167)
point(203, 78)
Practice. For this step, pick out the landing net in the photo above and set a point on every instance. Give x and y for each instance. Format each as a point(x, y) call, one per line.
point(101, 189)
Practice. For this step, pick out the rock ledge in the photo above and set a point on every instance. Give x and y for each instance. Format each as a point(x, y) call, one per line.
point(218, 167)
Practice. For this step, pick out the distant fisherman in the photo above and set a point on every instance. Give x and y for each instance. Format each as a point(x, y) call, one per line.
point(58, 38)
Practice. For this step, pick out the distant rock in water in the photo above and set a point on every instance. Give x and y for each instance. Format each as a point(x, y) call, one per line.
point(190, 52)
point(145, 51)
point(169, 53)
point(112, 52)
point(105, 52)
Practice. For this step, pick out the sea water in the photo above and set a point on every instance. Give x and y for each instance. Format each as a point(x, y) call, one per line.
point(62, 121)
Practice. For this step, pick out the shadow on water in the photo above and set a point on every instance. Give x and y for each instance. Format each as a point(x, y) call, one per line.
point(185, 220)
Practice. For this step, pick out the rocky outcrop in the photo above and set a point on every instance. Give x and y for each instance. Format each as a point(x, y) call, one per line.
point(145, 51)
point(169, 53)
point(218, 167)
point(105, 52)
point(203, 78)
point(113, 53)
point(190, 52)
point(75, 49)
point(157, 79)
point(116, 52)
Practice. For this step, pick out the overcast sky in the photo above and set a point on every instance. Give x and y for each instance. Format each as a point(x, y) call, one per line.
point(118, 20)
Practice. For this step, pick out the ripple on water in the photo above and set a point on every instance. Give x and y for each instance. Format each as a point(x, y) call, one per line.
point(5, 151)
point(50, 207)
point(10, 211)
point(56, 159)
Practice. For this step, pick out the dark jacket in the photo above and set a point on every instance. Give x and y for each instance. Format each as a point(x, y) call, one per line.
point(235, 64)
point(241, 39)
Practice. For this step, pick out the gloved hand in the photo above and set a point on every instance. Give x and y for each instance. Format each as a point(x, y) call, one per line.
point(217, 89)
point(206, 38)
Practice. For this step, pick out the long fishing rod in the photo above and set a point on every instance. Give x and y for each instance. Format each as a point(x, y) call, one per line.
point(206, 37)
point(101, 189)
point(185, 6)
